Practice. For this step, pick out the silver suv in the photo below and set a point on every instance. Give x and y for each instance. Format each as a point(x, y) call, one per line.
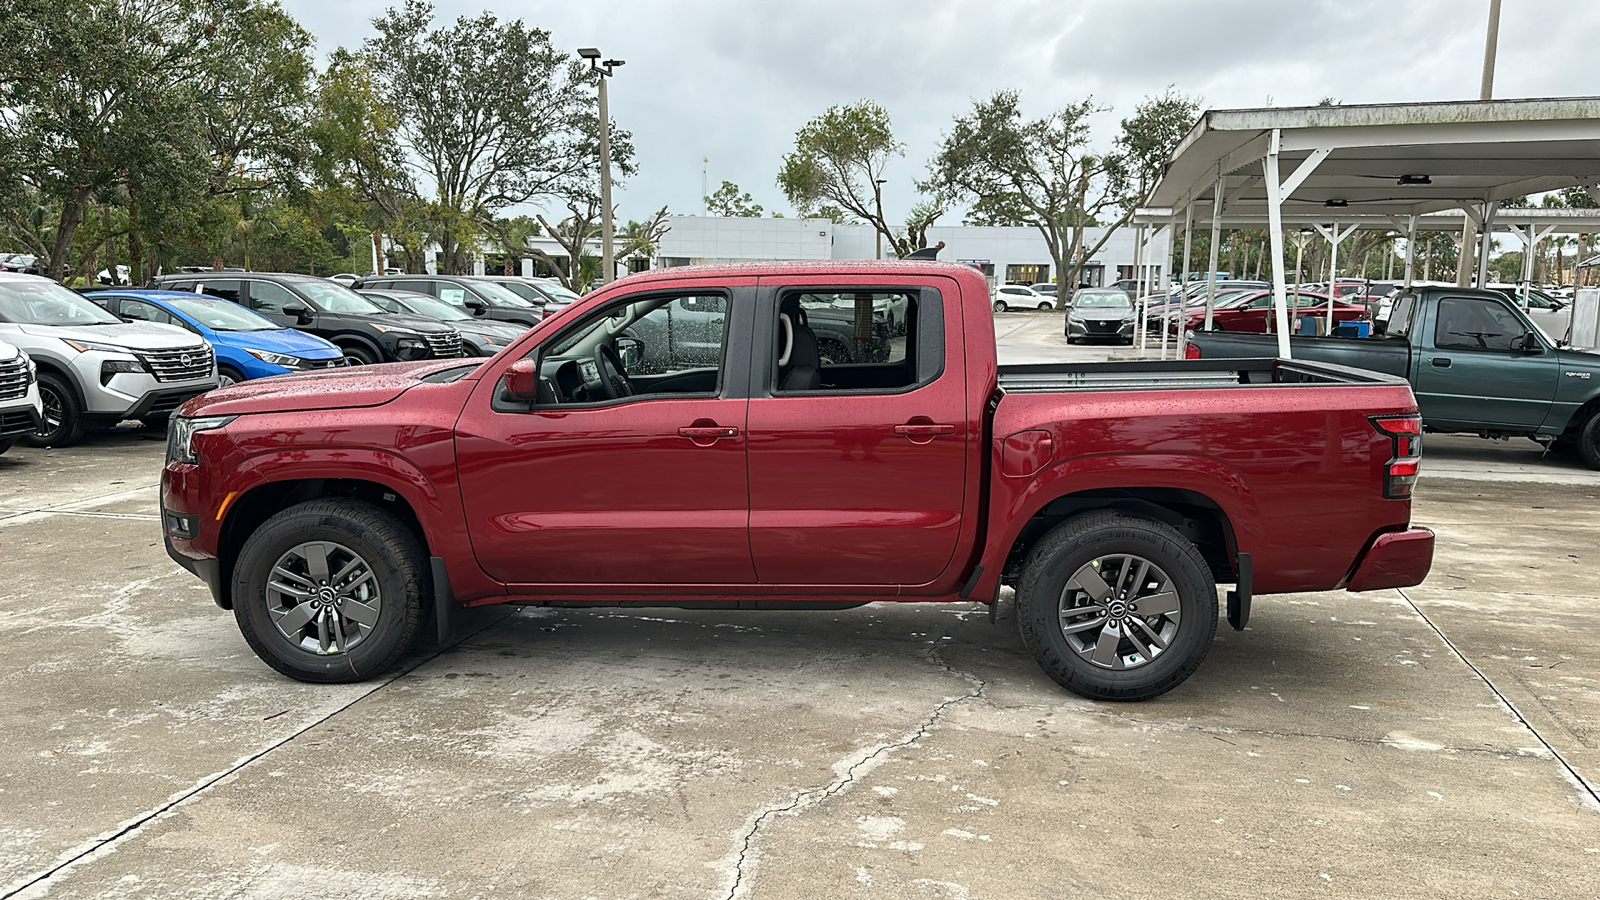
point(20, 412)
point(95, 369)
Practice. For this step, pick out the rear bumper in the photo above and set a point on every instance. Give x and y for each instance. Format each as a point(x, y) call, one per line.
point(1396, 559)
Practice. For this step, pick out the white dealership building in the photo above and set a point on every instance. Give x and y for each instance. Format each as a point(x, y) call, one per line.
point(1006, 255)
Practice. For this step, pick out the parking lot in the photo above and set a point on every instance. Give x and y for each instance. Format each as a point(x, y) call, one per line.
point(1437, 741)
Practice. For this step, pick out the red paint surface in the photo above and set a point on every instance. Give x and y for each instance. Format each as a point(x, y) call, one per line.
point(817, 497)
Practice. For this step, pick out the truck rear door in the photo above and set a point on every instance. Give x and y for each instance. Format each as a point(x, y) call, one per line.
point(1475, 370)
point(858, 430)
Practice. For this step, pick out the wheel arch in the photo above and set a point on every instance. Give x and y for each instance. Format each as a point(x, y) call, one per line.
point(1200, 519)
point(48, 366)
point(260, 503)
point(1581, 416)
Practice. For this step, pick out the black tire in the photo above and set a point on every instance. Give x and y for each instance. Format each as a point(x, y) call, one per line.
point(5, 444)
point(832, 352)
point(1589, 441)
point(227, 375)
point(1071, 340)
point(1046, 306)
point(356, 355)
point(1000, 306)
point(393, 555)
point(58, 399)
point(1098, 536)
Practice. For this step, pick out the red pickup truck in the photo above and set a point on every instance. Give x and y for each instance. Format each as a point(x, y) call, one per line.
point(763, 437)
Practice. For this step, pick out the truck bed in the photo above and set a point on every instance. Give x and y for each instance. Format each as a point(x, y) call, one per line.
point(1391, 357)
point(1167, 375)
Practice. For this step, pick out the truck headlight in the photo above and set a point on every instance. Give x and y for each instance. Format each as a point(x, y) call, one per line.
point(181, 432)
point(278, 359)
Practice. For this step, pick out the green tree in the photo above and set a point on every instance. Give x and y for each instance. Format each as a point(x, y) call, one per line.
point(494, 115)
point(837, 166)
point(729, 201)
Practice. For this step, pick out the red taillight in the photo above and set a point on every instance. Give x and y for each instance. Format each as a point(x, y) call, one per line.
point(1405, 436)
point(1190, 351)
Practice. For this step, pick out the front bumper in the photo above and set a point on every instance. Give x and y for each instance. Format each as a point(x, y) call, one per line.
point(1107, 329)
point(1394, 560)
point(136, 395)
point(181, 531)
point(27, 418)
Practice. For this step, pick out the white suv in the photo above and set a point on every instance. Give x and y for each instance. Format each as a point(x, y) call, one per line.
point(94, 370)
point(20, 412)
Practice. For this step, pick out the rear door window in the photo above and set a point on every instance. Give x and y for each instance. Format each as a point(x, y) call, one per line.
point(228, 289)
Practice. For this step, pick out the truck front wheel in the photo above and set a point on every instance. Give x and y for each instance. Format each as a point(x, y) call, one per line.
point(1116, 606)
point(331, 591)
point(1589, 441)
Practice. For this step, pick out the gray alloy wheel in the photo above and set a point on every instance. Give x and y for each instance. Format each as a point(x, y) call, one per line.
point(227, 376)
point(1119, 611)
point(1000, 306)
point(323, 597)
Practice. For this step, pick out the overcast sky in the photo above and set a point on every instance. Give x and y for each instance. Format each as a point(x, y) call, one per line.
point(733, 81)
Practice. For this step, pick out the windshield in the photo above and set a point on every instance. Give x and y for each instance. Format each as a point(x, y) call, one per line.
point(337, 298)
point(556, 291)
point(1100, 300)
point(498, 295)
point(436, 309)
point(47, 303)
point(220, 315)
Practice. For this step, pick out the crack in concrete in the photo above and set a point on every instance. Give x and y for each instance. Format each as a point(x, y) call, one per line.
point(854, 767)
point(98, 846)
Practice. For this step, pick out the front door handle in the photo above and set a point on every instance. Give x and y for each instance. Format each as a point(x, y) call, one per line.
point(1442, 362)
point(706, 435)
point(922, 434)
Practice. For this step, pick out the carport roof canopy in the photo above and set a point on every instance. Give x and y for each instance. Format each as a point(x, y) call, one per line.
point(1385, 160)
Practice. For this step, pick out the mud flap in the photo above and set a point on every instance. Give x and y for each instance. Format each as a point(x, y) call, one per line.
point(1239, 597)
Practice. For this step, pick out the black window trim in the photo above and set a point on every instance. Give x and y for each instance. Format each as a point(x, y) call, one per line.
point(735, 350)
point(930, 360)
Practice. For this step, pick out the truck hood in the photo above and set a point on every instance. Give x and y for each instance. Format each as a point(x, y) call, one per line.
point(133, 335)
point(344, 388)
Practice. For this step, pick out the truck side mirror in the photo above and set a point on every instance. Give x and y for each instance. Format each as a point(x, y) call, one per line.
point(522, 380)
point(630, 351)
point(1527, 343)
point(478, 307)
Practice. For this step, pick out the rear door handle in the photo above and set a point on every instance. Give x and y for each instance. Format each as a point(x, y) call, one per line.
point(923, 433)
point(1442, 362)
point(707, 434)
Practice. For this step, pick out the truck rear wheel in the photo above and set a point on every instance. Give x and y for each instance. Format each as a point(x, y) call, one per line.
point(1115, 606)
point(331, 591)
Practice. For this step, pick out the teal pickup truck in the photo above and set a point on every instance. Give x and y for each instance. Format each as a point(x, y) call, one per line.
point(1476, 363)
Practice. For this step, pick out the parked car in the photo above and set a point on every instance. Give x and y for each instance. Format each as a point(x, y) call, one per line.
point(248, 345)
point(550, 295)
point(348, 279)
point(1255, 313)
point(479, 337)
point(479, 296)
point(21, 412)
point(1100, 314)
point(362, 330)
point(96, 370)
point(1477, 363)
point(1535, 298)
point(1112, 496)
point(1020, 296)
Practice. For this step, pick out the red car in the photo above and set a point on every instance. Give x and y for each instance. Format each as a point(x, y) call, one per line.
point(681, 437)
point(1254, 313)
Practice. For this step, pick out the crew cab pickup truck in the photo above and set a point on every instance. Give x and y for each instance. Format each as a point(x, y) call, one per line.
point(590, 465)
point(1478, 365)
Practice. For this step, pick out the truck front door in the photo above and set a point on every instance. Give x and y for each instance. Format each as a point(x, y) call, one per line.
point(615, 481)
point(1476, 372)
point(859, 432)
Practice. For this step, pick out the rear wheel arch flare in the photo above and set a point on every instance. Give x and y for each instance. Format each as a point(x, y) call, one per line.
point(1199, 518)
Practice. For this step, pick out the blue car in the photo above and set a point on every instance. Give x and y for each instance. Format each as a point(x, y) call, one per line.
point(248, 344)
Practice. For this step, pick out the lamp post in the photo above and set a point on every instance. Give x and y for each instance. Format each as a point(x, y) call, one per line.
point(608, 265)
point(1299, 253)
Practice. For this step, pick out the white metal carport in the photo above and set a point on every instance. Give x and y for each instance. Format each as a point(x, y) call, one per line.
point(1388, 164)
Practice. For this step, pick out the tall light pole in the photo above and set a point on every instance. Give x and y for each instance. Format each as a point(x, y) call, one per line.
point(608, 265)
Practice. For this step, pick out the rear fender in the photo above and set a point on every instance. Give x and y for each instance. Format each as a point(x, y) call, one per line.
point(1015, 501)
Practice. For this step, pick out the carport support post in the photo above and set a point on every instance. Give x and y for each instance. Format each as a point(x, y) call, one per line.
point(1183, 291)
point(1487, 241)
point(1335, 237)
point(1216, 245)
point(1280, 290)
point(1166, 280)
point(1411, 248)
point(1140, 287)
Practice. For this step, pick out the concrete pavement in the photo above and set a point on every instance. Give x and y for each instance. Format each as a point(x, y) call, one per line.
point(1441, 741)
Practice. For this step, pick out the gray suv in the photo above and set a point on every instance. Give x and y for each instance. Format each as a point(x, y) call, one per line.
point(94, 369)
